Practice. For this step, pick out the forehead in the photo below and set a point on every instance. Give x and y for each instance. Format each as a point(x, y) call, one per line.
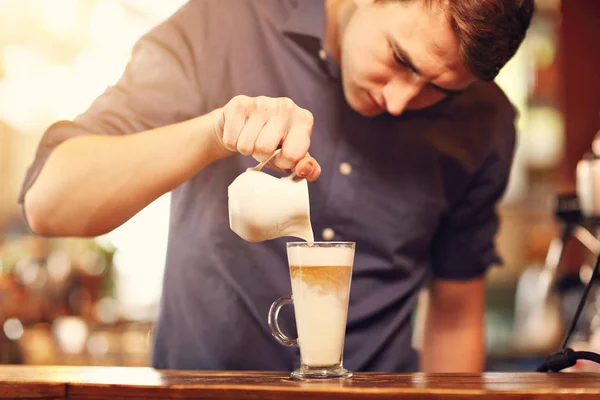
point(425, 33)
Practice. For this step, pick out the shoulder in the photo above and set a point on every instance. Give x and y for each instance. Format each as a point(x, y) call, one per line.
point(209, 29)
point(471, 128)
point(482, 102)
point(490, 119)
point(490, 101)
point(485, 115)
point(497, 114)
point(213, 26)
point(227, 15)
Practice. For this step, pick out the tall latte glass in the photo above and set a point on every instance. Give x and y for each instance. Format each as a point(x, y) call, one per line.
point(320, 273)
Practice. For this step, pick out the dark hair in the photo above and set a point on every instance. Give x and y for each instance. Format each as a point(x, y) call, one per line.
point(489, 32)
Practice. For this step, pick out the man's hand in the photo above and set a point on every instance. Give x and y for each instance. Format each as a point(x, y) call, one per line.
point(256, 126)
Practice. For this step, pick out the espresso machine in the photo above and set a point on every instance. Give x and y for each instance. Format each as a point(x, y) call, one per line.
point(560, 299)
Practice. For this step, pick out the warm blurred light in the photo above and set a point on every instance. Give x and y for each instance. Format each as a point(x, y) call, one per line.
point(21, 60)
point(156, 10)
point(71, 334)
point(58, 78)
point(548, 5)
point(97, 345)
point(60, 15)
point(97, 68)
point(107, 310)
point(27, 271)
point(105, 243)
point(27, 101)
point(57, 90)
point(516, 82)
point(92, 263)
point(32, 95)
point(20, 103)
point(515, 78)
point(58, 265)
point(134, 341)
point(68, 92)
point(545, 52)
point(141, 247)
point(585, 273)
point(108, 376)
point(108, 23)
point(544, 139)
point(13, 329)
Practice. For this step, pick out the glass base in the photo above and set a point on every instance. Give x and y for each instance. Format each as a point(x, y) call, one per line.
point(334, 372)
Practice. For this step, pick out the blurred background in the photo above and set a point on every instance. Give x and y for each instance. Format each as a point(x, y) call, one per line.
point(93, 301)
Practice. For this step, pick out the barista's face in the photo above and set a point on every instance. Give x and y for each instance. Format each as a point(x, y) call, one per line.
point(398, 56)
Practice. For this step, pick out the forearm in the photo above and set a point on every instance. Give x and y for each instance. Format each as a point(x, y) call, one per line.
point(456, 350)
point(453, 338)
point(94, 183)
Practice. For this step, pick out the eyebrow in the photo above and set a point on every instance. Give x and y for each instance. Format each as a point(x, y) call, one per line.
point(402, 54)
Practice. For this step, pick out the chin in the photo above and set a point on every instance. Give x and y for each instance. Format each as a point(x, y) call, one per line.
point(368, 113)
point(366, 110)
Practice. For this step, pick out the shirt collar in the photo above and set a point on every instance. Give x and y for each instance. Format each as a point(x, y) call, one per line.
point(306, 27)
point(306, 19)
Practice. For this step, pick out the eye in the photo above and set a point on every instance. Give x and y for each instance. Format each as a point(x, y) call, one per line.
point(398, 59)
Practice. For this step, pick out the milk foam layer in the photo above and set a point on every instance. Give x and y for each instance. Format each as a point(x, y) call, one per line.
point(307, 256)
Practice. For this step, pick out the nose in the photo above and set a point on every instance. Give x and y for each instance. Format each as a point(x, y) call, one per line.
point(398, 93)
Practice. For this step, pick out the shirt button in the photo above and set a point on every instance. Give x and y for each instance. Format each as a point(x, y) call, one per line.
point(328, 233)
point(322, 54)
point(345, 169)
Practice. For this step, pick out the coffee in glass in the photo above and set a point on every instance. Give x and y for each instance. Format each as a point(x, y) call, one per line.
point(320, 274)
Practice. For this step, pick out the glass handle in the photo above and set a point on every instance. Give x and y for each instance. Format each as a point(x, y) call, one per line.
point(274, 323)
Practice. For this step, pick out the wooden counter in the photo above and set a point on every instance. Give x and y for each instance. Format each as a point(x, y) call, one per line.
point(145, 383)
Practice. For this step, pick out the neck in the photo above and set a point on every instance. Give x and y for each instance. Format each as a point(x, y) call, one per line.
point(337, 15)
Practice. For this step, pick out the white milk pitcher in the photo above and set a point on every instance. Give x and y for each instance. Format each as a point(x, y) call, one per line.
point(263, 207)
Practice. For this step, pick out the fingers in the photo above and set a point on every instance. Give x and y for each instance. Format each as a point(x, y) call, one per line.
point(236, 113)
point(269, 139)
point(257, 126)
point(294, 148)
point(297, 141)
point(308, 168)
point(250, 131)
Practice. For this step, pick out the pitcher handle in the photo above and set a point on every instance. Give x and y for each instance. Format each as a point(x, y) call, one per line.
point(265, 162)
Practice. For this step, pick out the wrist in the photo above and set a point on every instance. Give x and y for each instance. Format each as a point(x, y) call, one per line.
point(215, 123)
point(208, 133)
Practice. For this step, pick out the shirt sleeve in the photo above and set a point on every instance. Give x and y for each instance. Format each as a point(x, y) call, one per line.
point(158, 87)
point(464, 245)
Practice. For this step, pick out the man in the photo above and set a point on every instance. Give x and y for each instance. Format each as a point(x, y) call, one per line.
point(410, 145)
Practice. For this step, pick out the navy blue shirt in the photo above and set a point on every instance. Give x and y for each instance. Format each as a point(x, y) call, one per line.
point(417, 193)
